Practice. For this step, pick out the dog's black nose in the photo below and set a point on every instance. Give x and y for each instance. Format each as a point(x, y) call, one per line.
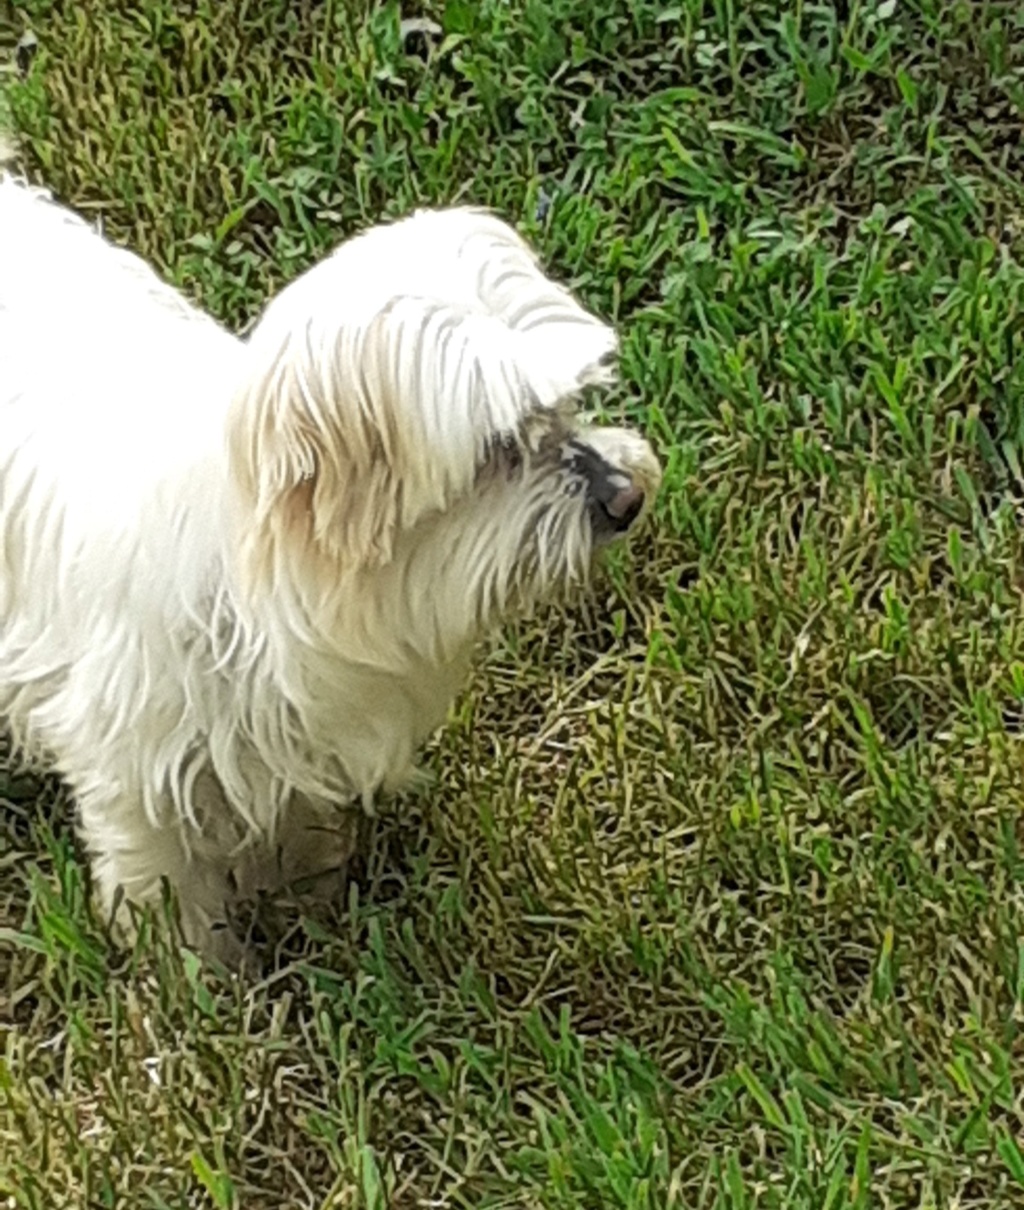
point(624, 506)
point(615, 499)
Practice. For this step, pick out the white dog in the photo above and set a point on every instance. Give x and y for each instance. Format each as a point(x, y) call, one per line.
point(241, 581)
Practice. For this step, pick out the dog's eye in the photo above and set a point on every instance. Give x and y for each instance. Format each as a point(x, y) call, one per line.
point(573, 462)
point(504, 456)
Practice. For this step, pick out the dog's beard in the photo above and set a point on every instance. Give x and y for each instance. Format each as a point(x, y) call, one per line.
point(524, 532)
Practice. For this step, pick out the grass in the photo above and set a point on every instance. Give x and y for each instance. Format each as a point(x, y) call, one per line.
point(719, 900)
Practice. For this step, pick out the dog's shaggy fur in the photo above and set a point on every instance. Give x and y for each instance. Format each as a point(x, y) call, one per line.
point(240, 581)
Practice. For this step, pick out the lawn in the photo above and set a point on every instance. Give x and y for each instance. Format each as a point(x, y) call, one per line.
point(718, 899)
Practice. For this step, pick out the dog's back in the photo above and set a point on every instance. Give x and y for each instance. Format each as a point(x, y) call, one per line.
point(109, 379)
point(112, 393)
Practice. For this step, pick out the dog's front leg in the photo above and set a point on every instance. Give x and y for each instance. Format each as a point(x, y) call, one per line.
point(132, 855)
point(307, 857)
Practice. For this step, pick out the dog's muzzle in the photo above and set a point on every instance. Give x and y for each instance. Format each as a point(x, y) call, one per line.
point(615, 497)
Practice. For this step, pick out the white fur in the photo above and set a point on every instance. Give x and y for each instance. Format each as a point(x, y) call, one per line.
point(240, 582)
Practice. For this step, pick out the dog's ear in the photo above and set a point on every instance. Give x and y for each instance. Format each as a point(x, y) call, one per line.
point(378, 382)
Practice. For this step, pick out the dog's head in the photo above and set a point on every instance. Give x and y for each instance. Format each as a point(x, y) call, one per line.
point(409, 427)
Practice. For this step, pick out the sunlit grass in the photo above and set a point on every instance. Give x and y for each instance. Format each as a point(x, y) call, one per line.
point(716, 901)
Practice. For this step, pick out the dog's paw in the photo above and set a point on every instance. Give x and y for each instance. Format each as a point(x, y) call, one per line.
point(224, 947)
